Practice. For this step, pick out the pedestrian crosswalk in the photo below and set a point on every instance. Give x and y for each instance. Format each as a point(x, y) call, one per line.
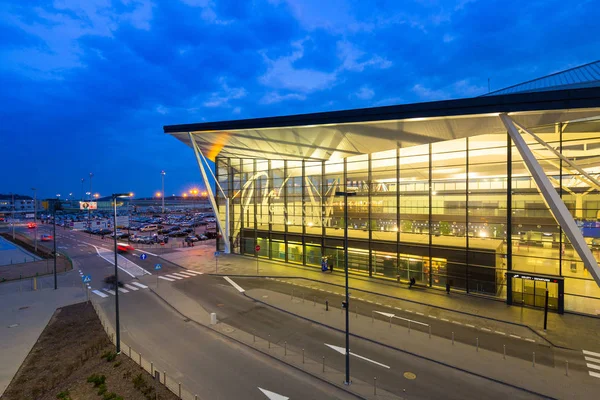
point(177, 276)
point(127, 287)
point(592, 361)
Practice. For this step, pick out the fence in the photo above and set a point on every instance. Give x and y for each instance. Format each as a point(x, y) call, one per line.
point(158, 372)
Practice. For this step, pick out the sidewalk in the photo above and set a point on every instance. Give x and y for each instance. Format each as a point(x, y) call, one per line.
point(569, 330)
point(24, 316)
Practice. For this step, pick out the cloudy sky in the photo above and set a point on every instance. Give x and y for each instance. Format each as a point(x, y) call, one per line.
point(86, 85)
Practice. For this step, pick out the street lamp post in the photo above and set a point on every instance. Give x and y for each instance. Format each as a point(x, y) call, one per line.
point(13, 215)
point(89, 208)
point(163, 173)
point(345, 194)
point(82, 179)
point(115, 196)
point(35, 217)
point(56, 205)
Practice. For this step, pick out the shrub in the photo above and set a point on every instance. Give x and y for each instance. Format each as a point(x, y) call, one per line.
point(117, 364)
point(64, 395)
point(109, 355)
point(139, 382)
point(96, 379)
point(102, 389)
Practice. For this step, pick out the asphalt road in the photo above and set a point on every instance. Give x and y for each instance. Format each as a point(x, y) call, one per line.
point(205, 362)
point(435, 381)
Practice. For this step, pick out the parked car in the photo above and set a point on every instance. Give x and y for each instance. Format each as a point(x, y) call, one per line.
point(31, 225)
point(178, 234)
point(147, 228)
point(202, 237)
point(191, 239)
point(46, 238)
point(104, 232)
point(211, 235)
point(188, 230)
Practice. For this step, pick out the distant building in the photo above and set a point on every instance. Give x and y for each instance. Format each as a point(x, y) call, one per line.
point(22, 204)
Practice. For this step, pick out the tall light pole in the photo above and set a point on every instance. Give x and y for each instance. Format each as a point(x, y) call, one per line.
point(82, 179)
point(90, 211)
point(115, 196)
point(35, 217)
point(13, 214)
point(163, 173)
point(56, 205)
point(345, 194)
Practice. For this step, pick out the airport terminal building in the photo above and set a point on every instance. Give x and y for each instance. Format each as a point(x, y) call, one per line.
point(497, 195)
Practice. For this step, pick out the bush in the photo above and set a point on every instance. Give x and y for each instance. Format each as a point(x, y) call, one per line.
point(139, 382)
point(109, 355)
point(64, 395)
point(117, 364)
point(96, 379)
point(111, 396)
point(102, 389)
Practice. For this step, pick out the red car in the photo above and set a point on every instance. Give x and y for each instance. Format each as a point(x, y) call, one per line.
point(124, 248)
point(31, 225)
point(46, 238)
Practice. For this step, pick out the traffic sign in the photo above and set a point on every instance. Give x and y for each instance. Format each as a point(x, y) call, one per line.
point(157, 267)
point(257, 248)
point(217, 253)
point(144, 256)
point(86, 278)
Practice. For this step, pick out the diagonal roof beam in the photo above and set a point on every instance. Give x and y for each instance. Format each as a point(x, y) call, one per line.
point(557, 206)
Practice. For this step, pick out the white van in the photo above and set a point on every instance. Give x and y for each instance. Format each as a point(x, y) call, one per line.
point(147, 228)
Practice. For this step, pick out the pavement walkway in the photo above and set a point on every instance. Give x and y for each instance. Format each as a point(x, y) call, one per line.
point(24, 315)
point(571, 331)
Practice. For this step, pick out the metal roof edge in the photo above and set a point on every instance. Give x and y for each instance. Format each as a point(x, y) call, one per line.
point(531, 101)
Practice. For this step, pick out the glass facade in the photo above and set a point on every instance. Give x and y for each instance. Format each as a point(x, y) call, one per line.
point(462, 212)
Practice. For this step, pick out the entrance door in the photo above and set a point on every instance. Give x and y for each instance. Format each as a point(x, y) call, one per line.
point(532, 293)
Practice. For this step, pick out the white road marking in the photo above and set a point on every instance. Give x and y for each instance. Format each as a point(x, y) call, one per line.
point(139, 285)
point(378, 304)
point(486, 329)
point(515, 336)
point(128, 286)
point(530, 340)
point(432, 316)
point(272, 395)
point(591, 353)
point(397, 308)
point(166, 279)
point(470, 326)
point(109, 291)
point(457, 323)
point(174, 277)
point(389, 315)
point(410, 311)
point(590, 359)
point(594, 374)
point(186, 274)
point(180, 275)
point(125, 265)
point(500, 333)
point(123, 290)
point(445, 320)
point(99, 293)
point(593, 366)
point(342, 350)
point(191, 271)
point(235, 285)
point(419, 313)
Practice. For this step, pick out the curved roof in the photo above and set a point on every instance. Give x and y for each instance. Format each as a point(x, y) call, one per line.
point(587, 75)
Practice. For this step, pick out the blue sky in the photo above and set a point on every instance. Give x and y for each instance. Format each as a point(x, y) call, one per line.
point(87, 85)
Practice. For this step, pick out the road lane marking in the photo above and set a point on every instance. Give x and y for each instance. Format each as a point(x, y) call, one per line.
point(235, 285)
point(500, 333)
point(99, 293)
point(179, 275)
point(591, 353)
point(397, 308)
point(445, 320)
point(410, 311)
point(470, 326)
point(594, 374)
point(457, 323)
point(342, 350)
point(187, 274)
point(191, 271)
point(174, 277)
point(272, 395)
point(432, 316)
point(486, 329)
point(418, 313)
point(124, 264)
point(530, 340)
point(593, 366)
point(123, 290)
point(166, 279)
point(128, 286)
point(109, 291)
point(515, 336)
point(139, 285)
point(590, 359)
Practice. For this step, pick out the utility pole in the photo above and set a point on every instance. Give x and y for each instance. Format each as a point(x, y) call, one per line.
point(35, 217)
point(90, 211)
point(54, 208)
point(115, 196)
point(163, 173)
point(13, 214)
point(82, 179)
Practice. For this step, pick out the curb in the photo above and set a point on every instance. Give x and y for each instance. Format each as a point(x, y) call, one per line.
point(404, 351)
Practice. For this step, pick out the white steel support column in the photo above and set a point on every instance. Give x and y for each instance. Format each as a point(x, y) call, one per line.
point(557, 206)
point(211, 196)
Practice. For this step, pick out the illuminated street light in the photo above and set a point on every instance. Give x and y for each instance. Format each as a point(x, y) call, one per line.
point(115, 196)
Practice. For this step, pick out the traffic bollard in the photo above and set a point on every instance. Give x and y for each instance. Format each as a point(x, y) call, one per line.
point(269, 340)
point(374, 385)
point(326, 305)
point(429, 331)
point(533, 363)
point(391, 321)
point(302, 356)
point(180, 390)
point(566, 367)
point(408, 326)
point(452, 338)
point(323, 363)
point(140, 359)
point(151, 368)
point(477, 344)
point(356, 312)
point(504, 351)
point(165, 378)
point(285, 348)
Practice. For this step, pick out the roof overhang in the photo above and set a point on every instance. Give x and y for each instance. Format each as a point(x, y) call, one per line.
point(339, 134)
